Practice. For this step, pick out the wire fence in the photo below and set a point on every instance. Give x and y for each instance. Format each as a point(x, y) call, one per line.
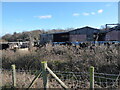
point(71, 79)
point(102, 80)
point(107, 80)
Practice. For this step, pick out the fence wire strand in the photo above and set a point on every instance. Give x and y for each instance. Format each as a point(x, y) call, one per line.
point(71, 79)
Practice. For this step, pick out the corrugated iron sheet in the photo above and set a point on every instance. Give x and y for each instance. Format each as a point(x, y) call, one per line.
point(113, 36)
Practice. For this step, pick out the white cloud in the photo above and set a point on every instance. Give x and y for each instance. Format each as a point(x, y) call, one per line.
point(93, 13)
point(86, 14)
point(44, 17)
point(100, 11)
point(76, 14)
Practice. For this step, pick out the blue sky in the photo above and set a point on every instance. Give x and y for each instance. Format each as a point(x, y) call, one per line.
point(27, 16)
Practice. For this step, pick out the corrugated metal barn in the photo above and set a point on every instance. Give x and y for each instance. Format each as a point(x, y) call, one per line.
point(46, 38)
point(54, 37)
point(80, 34)
point(83, 34)
point(113, 34)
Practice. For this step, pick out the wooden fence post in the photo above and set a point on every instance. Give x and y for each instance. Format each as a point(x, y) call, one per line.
point(62, 84)
point(37, 76)
point(1, 79)
point(44, 74)
point(13, 75)
point(91, 77)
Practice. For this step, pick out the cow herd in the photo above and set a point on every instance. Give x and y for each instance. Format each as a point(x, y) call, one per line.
point(5, 46)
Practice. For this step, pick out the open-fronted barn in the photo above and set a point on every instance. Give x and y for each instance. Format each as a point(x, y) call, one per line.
point(61, 37)
point(82, 35)
point(54, 37)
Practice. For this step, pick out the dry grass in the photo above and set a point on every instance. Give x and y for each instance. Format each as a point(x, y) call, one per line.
point(67, 58)
point(61, 58)
point(23, 80)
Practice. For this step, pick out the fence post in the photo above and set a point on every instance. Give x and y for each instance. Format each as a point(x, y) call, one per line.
point(62, 84)
point(91, 77)
point(13, 75)
point(1, 79)
point(37, 76)
point(44, 74)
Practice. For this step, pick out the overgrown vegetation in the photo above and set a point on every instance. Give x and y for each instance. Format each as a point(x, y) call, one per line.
point(60, 58)
point(24, 79)
point(69, 58)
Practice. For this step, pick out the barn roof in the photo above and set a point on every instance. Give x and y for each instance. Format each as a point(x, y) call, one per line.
point(116, 28)
point(61, 32)
point(72, 30)
point(55, 33)
point(84, 28)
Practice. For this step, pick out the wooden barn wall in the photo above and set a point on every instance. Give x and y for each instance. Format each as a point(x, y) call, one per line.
point(86, 32)
point(78, 38)
point(113, 36)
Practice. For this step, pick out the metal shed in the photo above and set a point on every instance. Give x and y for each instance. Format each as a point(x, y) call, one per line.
point(113, 34)
point(46, 38)
point(54, 37)
point(83, 34)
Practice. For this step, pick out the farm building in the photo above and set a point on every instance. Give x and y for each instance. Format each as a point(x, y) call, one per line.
point(46, 38)
point(61, 37)
point(113, 34)
point(83, 34)
point(54, 37)
point(80, 34)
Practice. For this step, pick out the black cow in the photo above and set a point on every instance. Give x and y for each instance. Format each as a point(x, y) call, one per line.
point(83, 45)
point(4, 46)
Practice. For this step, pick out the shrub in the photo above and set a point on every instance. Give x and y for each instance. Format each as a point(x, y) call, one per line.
point(68, 58)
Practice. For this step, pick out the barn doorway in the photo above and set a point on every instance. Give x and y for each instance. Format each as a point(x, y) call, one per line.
point(101, 37)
